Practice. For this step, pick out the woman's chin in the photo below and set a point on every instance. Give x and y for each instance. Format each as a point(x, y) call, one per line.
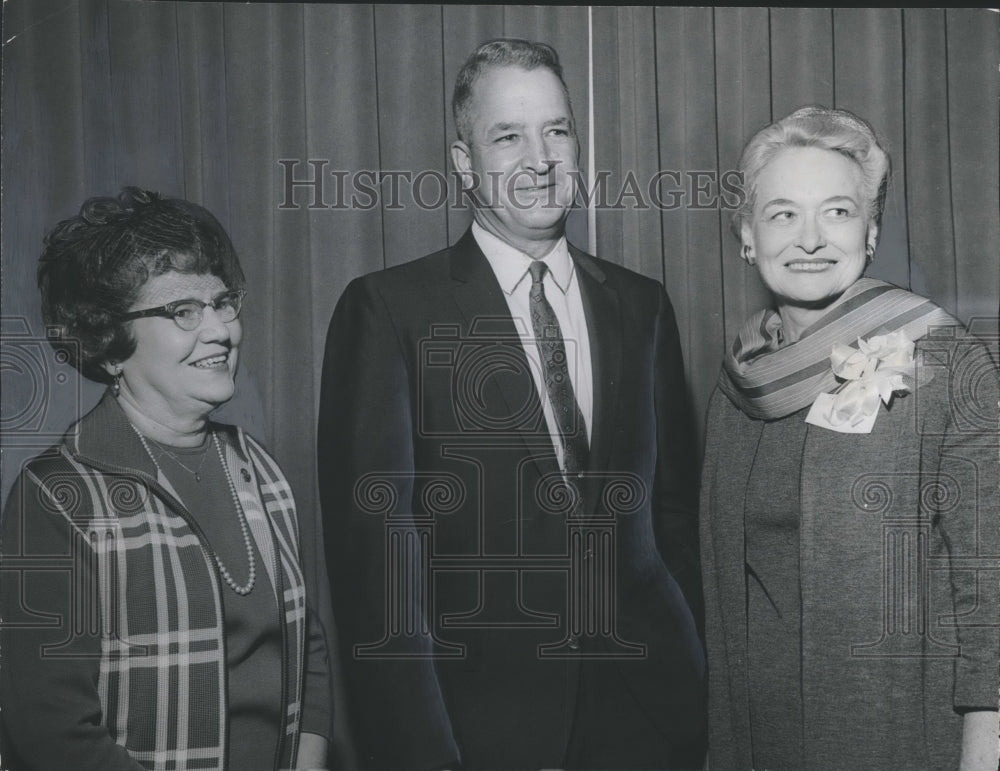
point(214, 397)
point(810, 297)
point(220, 398)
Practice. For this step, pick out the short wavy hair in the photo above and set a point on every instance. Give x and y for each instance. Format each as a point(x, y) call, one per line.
point(93, 267)
point(493, 54)
point(829, 129)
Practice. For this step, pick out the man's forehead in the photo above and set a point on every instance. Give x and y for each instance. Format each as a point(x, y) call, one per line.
point(507, 75)
point(521, 92)
point(556, 119)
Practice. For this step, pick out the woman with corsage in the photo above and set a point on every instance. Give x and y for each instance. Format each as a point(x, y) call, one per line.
point(850, 501)
point(177, 633)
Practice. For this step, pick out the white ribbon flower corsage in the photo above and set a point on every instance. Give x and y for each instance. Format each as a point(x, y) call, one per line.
point(881, 366)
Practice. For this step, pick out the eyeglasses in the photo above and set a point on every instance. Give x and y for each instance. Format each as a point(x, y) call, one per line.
point(187, 314)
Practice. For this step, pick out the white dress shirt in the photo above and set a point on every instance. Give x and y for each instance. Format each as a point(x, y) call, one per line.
point(562, 290)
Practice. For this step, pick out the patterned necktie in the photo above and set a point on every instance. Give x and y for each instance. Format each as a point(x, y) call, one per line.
point(548, 337)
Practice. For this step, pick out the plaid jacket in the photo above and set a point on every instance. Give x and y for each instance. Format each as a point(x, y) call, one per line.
point(113, 642)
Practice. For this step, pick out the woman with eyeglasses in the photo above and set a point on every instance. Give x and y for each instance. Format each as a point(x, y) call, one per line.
point(178, 634)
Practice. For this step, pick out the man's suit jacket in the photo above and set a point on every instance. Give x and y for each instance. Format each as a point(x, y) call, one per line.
point(460, 583)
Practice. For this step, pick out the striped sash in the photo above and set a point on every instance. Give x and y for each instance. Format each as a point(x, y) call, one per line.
point(768, 382)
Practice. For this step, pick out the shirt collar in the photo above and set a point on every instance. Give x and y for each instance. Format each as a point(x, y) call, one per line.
point(511, 265)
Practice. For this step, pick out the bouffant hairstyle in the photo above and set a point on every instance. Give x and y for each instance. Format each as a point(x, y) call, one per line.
point(503, 52)
point(93, 267)
point(815, 126)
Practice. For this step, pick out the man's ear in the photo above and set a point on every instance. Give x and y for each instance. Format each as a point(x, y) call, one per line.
point(461, 156)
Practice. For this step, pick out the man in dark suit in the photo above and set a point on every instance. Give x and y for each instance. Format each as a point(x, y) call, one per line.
point(508, 478)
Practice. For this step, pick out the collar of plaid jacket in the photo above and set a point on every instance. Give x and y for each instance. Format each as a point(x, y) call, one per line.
point(104, 437)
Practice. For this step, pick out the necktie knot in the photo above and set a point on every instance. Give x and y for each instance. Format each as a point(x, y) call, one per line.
point(537, 269)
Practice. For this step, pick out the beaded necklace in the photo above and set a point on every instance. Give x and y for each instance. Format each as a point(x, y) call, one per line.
point(241, 517)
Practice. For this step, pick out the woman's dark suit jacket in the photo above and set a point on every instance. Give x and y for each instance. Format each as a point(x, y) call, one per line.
point(899, 536)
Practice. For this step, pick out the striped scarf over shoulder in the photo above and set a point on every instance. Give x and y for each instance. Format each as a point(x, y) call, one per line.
point(769, 381)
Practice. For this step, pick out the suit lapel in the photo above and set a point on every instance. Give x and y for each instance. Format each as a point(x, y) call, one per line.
point(483, 306)
point(480, 299)
point(604, 327)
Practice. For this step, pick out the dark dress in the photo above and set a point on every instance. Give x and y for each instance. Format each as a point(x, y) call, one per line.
point(253, 629)
point(774, 607)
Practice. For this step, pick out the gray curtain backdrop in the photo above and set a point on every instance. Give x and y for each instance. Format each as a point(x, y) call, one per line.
point(224, 104)
point(684, 88)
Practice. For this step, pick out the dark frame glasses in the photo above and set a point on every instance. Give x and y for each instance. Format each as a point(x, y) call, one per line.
point(188, 314)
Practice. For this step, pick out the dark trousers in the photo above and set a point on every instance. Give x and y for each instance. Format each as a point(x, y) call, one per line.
point(612, 732)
